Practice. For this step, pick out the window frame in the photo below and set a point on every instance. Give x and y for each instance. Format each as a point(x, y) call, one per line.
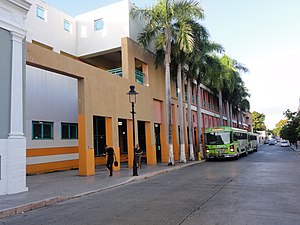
point(41, 9)
point(42, 124)
point(69, 125)
point(67, 28)
point(96, 25)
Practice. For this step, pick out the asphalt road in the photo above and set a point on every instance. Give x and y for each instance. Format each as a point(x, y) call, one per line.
point(262, 188)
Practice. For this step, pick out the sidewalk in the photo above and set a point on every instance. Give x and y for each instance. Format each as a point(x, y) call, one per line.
point(51, 188)
point(294, 148)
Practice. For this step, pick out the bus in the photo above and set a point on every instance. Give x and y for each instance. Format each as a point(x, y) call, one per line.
point(226, 142)
point(253, 141)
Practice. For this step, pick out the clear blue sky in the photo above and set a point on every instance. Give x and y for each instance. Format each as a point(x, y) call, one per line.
point(264, 35)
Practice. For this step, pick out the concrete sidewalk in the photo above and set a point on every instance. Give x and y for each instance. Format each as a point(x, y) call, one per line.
point(294, 148)
point(51, 188)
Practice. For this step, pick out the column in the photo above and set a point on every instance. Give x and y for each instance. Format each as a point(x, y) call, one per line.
point(16, 151)
point(16, 112)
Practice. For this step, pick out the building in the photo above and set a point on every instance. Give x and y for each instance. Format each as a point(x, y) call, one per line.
point(78, 73)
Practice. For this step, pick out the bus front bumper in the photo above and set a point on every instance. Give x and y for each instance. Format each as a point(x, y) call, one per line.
point(214, 156)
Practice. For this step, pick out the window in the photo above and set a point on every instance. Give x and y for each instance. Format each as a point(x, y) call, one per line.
point(98, 24)
point(69, 131)
point(67, 25)
point(40, 12)
point(42, 130)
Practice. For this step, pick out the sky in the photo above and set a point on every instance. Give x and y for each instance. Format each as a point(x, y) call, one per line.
point(263, 35)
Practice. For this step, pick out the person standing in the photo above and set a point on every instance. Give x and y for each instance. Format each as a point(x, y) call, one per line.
point(138, 152)
point(109, 159)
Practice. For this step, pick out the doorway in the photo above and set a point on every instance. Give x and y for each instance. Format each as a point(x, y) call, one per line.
point(122, 129)
point(142, 138)
point(157, 141)
point(99, 135)
point(142, 135)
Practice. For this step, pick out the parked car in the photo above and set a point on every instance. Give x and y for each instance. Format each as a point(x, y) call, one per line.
point(284, 143)
point(266, 142)
point(272, 142)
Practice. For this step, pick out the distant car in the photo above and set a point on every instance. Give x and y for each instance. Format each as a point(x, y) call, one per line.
point(266, 142)
point(284, 144)
point(272, 142)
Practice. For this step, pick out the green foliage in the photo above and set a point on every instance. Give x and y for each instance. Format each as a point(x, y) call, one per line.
point(278, 127)
point(258, 121)
point(291, 130)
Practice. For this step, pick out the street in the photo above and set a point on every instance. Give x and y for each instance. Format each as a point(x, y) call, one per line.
point(262, 188)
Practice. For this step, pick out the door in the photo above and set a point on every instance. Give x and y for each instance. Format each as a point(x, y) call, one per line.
point(122, 127)
point(157, 142)
point(99, 135)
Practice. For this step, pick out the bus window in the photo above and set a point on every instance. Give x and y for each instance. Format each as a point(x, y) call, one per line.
point(219, 138)
point(236, 136)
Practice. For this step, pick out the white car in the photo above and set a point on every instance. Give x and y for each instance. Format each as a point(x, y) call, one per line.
point(284, 144)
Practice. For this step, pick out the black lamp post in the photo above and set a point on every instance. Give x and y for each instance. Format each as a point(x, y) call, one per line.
point(132, 99)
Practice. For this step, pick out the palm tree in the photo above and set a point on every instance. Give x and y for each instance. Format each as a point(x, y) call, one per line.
point(226, 83)
point(160, 20)
point(196, 69)
point(239, 100)
point(206, 64)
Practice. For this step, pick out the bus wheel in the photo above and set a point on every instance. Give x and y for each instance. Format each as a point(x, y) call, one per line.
point(237, 156)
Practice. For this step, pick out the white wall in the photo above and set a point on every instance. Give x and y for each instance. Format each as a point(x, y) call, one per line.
point(50, 97)
point(51, 32)
point(116, 26)
point(83, 39)
point(3, 166)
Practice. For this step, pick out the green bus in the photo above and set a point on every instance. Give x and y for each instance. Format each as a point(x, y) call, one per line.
point(253, 142)
point(226, 142)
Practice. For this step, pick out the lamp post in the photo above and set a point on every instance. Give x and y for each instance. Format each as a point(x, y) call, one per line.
point(132, 99)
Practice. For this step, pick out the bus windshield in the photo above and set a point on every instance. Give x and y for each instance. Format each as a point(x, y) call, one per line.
point(218, 138)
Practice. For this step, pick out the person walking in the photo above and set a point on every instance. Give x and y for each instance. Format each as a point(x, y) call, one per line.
point(109, 159)
point(139, 153)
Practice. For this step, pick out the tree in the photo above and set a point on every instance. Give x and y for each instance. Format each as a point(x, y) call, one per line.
point(291, 130)
point(204, 64)
point(238, 99)
point(227, 83)
point(195, 69)
point(279, 126)
point(160, 23)
point(258, 121)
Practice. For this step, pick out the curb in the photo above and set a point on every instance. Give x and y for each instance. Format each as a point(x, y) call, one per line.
point(52, 201)
point(296, 150)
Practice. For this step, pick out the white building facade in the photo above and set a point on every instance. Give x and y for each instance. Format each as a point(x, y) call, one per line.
point(12, 63)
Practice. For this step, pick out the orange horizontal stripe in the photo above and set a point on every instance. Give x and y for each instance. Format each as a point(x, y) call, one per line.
point(51, 151)
point(50, 167)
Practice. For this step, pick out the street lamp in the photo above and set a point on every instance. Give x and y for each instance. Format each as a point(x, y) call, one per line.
point(132, 99)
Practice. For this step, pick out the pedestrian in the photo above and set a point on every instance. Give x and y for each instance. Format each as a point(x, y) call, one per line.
point(109, 159)
point(138, 153)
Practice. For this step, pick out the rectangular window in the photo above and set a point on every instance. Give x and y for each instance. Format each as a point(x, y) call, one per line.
point(40, 12)
point(69, 131)
point(67, 25)
point(42, 130)
point(98, 24)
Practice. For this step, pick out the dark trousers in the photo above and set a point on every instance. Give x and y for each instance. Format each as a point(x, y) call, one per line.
point(109, 166)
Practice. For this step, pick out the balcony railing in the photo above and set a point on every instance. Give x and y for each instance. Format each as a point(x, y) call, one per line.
point(139, 77)
point(116, 71)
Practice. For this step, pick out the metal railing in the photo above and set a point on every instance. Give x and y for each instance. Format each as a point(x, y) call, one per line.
point(139, 77)
point(116, 71)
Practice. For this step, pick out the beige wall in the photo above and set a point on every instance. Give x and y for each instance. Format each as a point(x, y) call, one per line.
point(103, 94)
